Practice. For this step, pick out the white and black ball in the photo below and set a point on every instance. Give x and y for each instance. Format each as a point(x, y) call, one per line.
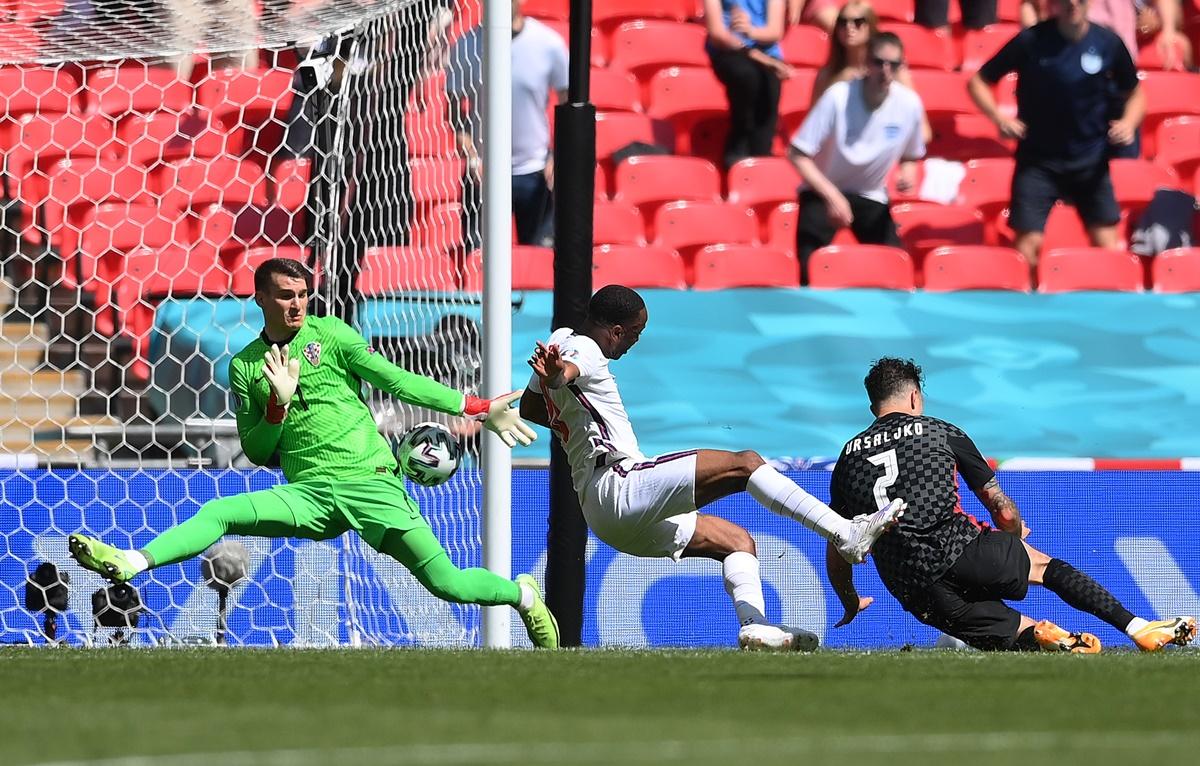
point(429, 454)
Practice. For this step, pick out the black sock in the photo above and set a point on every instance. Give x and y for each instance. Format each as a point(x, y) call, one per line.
point(1085, 594)
point(1025, 641)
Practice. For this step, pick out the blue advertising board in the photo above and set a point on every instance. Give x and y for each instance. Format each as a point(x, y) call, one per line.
point(1129, 530)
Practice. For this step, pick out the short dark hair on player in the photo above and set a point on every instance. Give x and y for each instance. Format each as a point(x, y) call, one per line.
point(285, 266)
point(615, 304)
point(890, 376)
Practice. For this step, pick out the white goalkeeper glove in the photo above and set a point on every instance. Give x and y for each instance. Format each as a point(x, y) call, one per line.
point(282, 374)
point(500, 418)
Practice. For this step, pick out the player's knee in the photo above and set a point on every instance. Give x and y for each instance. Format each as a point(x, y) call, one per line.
point(741, 540)
point(748, 462)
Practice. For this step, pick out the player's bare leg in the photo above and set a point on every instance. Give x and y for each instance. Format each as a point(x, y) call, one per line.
point(724, 541)
point(1085, 594)
point(720, 473)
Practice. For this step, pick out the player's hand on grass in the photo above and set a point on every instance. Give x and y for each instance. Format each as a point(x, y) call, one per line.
point(500, 418)
point(282, 374)
point(853, 608)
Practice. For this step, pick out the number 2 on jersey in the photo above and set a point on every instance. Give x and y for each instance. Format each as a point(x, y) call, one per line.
point(891, 470)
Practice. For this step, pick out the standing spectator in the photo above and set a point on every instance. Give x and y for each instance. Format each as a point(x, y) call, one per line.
point(743, 44)
point(1134, 21)
point(539, 66)
point(856, 25)
point(976, 14)
point(847, 145)
point(1068, 71)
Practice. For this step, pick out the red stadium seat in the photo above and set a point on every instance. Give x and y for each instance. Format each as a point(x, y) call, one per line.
point(1178, 145)
point(795, 99)
point(36, 90)
point(615, 130)
point(193, 184)
point(763, 184)
point(965, 137)
point(943, 94)
point(925, 226)
point(781, 227)
point(966, 267)
point(243, 264)
point(1009, 11)
point(22, 42)
point(1177, 271)
point(987, 187)
point(599, 42)
point(532, 268)
point(436, 179)
point(118, 90)
point(247, 97)
point(149, 139)
point(546, 9)
point(389, 270)
point(1089, 268)
point(805, 46)
point(979, 45)
point(637, 267)
point(870, 266)
point(290, 180)
point(693, 100)
point(644, 47)
point(608, 15)
point(615, 91)
point(32, 11)
point(78, 186)
point(1064, 229)
point(1135, 181)
point(1150, 57)
point(441, 230)
point(689, 226)
point(719, 267)
point(894, 10)
point(617, 223)
point(650, 181)
point(1168, 94)
point(924, 48)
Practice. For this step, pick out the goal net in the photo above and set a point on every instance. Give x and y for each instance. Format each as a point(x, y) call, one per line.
point(155, 152)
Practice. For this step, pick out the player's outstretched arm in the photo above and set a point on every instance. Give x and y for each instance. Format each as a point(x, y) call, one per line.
point(500, 418)
point(1005, 514)
point(550, 367)
point(841, 579)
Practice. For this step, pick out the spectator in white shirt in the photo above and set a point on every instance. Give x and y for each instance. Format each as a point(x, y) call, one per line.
point(855, 134)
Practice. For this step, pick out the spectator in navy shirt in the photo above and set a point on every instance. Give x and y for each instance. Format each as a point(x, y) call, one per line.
point(1068, 71)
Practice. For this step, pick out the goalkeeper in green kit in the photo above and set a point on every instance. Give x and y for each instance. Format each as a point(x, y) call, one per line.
point(299, 395)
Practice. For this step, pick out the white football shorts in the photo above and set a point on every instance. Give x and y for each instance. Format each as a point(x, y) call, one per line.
point(645, 508)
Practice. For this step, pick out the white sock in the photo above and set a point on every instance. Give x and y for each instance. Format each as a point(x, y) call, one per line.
point(744, 586)
point(137, 559)
point(1136, 624)
point(527, 598)
point(781, 495)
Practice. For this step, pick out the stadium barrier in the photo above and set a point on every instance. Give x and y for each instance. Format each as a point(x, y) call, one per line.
point(1128, 529)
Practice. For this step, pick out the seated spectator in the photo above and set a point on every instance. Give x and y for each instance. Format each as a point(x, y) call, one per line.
point(976, 14)
point(847, 145)
point(1069, 72)
point(743, 44)
point(856, 24)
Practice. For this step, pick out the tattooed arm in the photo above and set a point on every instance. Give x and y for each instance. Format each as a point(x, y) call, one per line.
point(1004, 511)
point(982, 481)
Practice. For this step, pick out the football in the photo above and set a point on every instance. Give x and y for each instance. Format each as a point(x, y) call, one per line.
point(429, 454)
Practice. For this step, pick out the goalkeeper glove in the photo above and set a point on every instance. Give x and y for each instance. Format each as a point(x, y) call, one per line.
point(283, 375)
point(499, 418)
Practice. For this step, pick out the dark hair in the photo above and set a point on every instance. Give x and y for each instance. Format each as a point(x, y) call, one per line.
point(837, 52)
point(285, 266)
point(614, 304)
point(890, 376)
point(880, 39)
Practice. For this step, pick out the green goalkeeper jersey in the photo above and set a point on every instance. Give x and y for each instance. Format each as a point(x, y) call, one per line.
point(329, 432)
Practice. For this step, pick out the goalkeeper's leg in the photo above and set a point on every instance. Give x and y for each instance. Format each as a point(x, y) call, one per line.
point(285, 511)
point(420, 552)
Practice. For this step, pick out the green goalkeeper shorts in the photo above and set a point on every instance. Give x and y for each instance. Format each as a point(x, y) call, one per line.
point(320, 510)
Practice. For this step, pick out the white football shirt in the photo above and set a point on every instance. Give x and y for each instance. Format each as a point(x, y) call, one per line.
point(856, 147)
point(587, 415)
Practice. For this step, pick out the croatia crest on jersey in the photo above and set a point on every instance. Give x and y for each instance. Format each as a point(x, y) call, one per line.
point(312, 352)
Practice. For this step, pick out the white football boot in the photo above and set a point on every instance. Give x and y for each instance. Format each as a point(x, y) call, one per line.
point(776, 638)
point(868, 527)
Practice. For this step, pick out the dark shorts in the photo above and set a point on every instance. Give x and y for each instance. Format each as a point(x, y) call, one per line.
point(968, 601)
point(1035, 189)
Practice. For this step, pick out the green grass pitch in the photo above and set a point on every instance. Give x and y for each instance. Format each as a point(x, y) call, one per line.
point(187, 707)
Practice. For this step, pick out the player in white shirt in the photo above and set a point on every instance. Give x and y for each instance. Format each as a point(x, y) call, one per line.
point(648, 506)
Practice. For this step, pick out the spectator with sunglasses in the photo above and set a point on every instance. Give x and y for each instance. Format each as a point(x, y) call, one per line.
point(743, 45)
point(846, 147)
point(856, 24)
